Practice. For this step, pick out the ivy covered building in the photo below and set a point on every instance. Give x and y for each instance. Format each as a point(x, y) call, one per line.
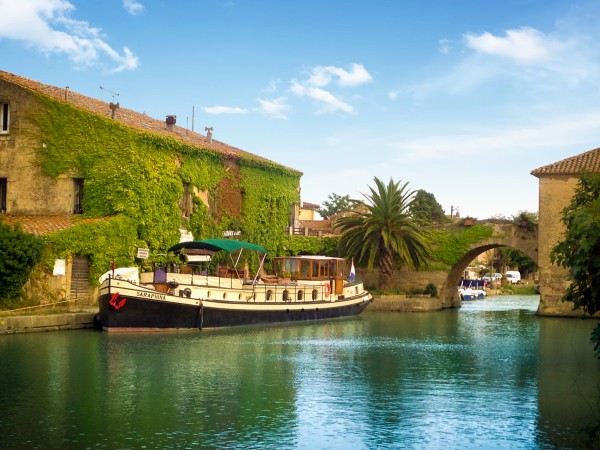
point(99, 181)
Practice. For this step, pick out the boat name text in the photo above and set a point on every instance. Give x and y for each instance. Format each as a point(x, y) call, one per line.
point(151, 295)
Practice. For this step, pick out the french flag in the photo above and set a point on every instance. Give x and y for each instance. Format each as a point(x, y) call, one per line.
point(352, 271)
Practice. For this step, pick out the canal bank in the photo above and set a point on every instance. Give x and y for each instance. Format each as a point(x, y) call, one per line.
point(47, 322)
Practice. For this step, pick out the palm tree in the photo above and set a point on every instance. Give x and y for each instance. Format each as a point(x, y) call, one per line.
point(384, 231)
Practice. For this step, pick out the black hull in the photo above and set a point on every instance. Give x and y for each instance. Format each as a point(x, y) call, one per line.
point(139, 314)
point(214, 317)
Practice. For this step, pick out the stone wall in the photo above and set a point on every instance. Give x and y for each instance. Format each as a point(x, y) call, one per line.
point(407, 280)
point(28, 190)
point(555, 193)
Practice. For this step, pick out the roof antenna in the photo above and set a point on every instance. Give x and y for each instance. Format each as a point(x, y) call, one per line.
point(102, 89)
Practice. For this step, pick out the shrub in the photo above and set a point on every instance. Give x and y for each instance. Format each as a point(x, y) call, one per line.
point(19, 253)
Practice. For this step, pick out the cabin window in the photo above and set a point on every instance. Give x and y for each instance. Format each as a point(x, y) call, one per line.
point(3, 185)
point(77, 195)
point(4, 118)
point(286, 295)
point(315, 293)
point(268, 295)
point(300, 295)
point(305, 268)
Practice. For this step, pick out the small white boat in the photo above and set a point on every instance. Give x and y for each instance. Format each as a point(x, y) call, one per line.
point(301, 288)
point(471, 294)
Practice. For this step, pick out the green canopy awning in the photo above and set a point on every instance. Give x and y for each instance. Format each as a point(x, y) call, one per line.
point(215, 245)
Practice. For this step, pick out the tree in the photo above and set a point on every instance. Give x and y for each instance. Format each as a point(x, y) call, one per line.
point(385, 231)
point(19, 253)
point(425, 207)
point(515, 258)
point(579, 252)
point(336, 204)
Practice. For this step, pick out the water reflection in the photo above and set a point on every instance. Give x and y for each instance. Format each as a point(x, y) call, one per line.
point(489, 374)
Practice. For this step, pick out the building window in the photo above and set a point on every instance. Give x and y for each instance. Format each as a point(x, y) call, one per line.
point(77, 195)
point(3, 184)
point(4, 118)
point(186, 203)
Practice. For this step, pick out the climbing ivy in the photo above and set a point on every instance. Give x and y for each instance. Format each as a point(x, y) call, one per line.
point(135, 179)
point(268, 197)
point(114, 239)
point(449, 244)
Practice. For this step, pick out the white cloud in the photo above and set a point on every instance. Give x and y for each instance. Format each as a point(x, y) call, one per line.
point(327, 101)
point(46, 25)
point(272, 86)
point(323, 75)
point(525, 45)
point(219, 109)
point(444, 46)
point(132, 7)
point(556, 132)
point(275, 108)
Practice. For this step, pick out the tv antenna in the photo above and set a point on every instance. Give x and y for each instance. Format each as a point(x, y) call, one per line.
point(102, 89)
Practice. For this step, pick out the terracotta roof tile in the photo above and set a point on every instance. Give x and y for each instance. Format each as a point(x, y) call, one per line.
point(127, 117)
point(40, 225)
point(589, 161)
point(316, 224)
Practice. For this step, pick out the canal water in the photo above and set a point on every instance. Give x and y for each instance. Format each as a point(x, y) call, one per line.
point(491, 374)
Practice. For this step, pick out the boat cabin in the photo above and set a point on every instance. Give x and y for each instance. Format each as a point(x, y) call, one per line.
point(310, 268)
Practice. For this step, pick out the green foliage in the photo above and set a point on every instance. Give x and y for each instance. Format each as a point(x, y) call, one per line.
point(102, 242)
point(385, 232)
point(431, 290)
point(519, 289)
point(526, 219)
point(336, 204)
point(449, 244)
point(515, 258)
point(425, 207)
point(19, 253)
point(595, 338)
point(579, 251)
point(136, 177)
point(268, 198)
point(307, 245)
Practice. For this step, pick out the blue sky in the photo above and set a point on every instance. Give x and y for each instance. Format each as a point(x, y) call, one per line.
point(460, 98)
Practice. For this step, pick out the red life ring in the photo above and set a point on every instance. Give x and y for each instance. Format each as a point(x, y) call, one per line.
point(327, 290)
point(113, 301)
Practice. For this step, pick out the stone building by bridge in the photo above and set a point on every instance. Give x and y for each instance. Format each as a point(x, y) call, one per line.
point(557, 182)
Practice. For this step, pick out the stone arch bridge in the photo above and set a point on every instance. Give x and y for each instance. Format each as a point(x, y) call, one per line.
point(504, 235)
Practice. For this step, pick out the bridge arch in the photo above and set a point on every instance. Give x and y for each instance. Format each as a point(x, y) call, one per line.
point(504, 235)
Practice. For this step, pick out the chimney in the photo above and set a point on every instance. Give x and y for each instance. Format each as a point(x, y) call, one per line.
point(170, 122)
point(208, 134)
point(67, 94)
point(113, 107)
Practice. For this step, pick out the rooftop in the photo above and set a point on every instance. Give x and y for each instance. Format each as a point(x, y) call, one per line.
point(129, 117)
point(589, 161)
point(40, 225)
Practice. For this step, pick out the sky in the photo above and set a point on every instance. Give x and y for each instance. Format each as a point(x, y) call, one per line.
point(460, 98)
